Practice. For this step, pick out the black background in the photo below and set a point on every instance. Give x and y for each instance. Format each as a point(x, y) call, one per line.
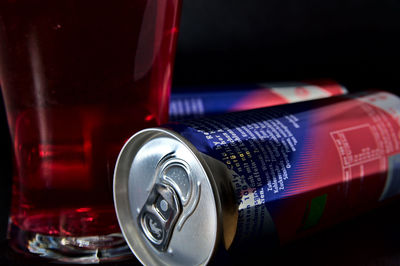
point(352, 41)
point(236, 41)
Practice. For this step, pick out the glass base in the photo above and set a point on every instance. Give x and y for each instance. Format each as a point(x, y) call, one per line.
point(82, 250)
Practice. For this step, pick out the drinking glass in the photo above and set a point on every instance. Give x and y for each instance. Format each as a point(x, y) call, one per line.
point(78, 78)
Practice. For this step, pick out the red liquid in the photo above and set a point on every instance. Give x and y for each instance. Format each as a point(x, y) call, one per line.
point(79, 77)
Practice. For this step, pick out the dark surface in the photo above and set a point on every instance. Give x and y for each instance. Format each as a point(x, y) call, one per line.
point(371, 239)
point(235, 41)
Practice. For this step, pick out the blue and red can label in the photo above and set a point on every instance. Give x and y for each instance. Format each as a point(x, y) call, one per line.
point(300, 167)
point(200, 101)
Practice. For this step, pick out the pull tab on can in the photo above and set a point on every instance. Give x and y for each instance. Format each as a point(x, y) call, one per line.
point(164, 205)
point(159, 215)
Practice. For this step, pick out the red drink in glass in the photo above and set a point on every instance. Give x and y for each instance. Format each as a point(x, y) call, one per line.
point(79, 78)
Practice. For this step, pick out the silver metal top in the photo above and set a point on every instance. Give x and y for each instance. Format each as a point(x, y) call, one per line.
point(167, 205)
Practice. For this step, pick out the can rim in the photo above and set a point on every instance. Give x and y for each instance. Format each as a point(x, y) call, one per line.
point(121, 191)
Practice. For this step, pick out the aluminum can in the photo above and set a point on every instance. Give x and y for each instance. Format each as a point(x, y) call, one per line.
point(207, 100)
point(188, 191)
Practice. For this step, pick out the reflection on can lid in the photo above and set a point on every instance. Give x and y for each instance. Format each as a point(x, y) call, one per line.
point(165, 200)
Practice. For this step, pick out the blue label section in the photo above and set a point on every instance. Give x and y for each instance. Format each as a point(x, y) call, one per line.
point(260, 147)
point(200, 101)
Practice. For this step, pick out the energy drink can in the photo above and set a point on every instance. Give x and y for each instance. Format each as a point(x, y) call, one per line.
point(222, 99)
point(186, 190)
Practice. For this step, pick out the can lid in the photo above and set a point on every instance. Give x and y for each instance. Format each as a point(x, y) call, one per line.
point(166, 204)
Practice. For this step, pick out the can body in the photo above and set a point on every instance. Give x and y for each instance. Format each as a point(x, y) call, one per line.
point(297, 168)
point(222, 99)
